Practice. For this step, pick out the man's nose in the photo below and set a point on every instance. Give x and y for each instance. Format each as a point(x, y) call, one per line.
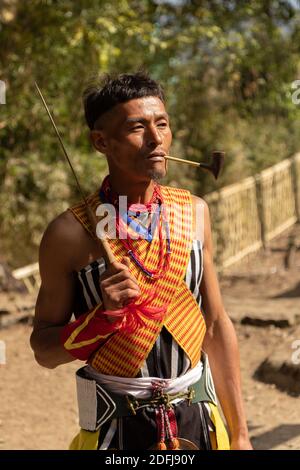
point(153, 137)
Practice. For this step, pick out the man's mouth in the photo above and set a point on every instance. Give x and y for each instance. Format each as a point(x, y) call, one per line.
point(157, 156)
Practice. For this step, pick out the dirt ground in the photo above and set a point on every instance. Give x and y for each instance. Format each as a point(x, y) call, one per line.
point(38, 406)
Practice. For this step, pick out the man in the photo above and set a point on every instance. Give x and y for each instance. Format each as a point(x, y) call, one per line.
point(138, 323)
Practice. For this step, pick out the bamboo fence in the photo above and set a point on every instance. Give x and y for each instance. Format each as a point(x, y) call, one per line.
point(247, 215)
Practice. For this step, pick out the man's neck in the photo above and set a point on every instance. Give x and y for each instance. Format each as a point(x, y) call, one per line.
point(136, 192)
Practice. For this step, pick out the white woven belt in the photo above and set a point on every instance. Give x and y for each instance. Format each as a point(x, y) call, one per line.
point(142, 387)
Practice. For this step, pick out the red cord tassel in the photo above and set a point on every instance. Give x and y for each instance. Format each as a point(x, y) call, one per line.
point(133, 313)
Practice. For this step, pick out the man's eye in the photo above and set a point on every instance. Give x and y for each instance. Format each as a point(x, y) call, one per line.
point(137, 127)
point(162, 124)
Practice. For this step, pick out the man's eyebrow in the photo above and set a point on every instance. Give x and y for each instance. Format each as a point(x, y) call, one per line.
point(144, 120)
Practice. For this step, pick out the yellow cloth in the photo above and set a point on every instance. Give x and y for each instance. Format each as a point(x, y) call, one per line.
point(85, 440)
point(221, 435)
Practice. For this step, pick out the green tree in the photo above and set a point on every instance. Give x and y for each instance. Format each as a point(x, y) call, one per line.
point(226, 65)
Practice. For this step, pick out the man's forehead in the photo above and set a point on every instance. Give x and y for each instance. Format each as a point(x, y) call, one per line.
point(141, 107)
point(147, 107)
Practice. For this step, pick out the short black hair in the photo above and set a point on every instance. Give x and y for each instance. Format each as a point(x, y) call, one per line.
point(107, 91)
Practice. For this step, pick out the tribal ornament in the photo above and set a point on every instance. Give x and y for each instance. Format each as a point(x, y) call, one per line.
point(107, 195)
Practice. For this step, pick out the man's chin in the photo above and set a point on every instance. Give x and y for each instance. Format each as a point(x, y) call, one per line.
point(157, 175)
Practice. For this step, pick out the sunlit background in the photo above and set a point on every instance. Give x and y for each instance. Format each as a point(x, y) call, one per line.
point(231, 73)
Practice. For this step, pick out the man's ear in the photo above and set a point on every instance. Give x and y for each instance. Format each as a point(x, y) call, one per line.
point(98, 140)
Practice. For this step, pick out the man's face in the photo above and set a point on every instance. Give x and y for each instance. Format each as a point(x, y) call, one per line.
point(132, 135)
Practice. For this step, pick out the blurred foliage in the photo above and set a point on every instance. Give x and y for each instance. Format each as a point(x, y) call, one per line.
point(226, 66)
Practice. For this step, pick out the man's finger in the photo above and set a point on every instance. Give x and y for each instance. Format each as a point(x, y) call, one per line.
point(125, 260)
point(125, 284)
point(116, 278)
point(128, 294)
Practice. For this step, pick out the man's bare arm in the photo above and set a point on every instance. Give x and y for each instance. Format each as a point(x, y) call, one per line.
point(55, 299)
point(62, 241)
point(220, 343)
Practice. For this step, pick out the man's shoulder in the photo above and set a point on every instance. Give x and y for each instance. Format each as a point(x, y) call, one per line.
point(200, 217)
point(199, 202)
point(63, 231)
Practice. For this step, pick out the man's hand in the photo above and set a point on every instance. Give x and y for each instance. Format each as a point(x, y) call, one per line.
point(118, 286)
